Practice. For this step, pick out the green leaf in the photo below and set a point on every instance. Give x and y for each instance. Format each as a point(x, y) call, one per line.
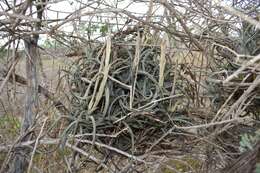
point(104, 29)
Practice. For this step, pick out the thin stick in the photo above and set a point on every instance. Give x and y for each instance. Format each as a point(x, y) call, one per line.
point(213, 124)
point(242, 68)
point(36, 144)
point(113, 149)
point(8, 74)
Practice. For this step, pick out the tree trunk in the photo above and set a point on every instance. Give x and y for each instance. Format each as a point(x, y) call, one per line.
point(31, 104)
point(22, 155)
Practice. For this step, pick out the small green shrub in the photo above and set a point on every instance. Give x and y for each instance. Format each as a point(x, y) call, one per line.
point(9, 126)
point(249, 140)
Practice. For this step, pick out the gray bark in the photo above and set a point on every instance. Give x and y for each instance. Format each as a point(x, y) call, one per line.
point(22, 155)
point(31, 104)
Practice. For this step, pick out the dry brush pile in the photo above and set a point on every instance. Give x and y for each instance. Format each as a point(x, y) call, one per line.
point(178, 92)
point(126, 100)
point(140, 104)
